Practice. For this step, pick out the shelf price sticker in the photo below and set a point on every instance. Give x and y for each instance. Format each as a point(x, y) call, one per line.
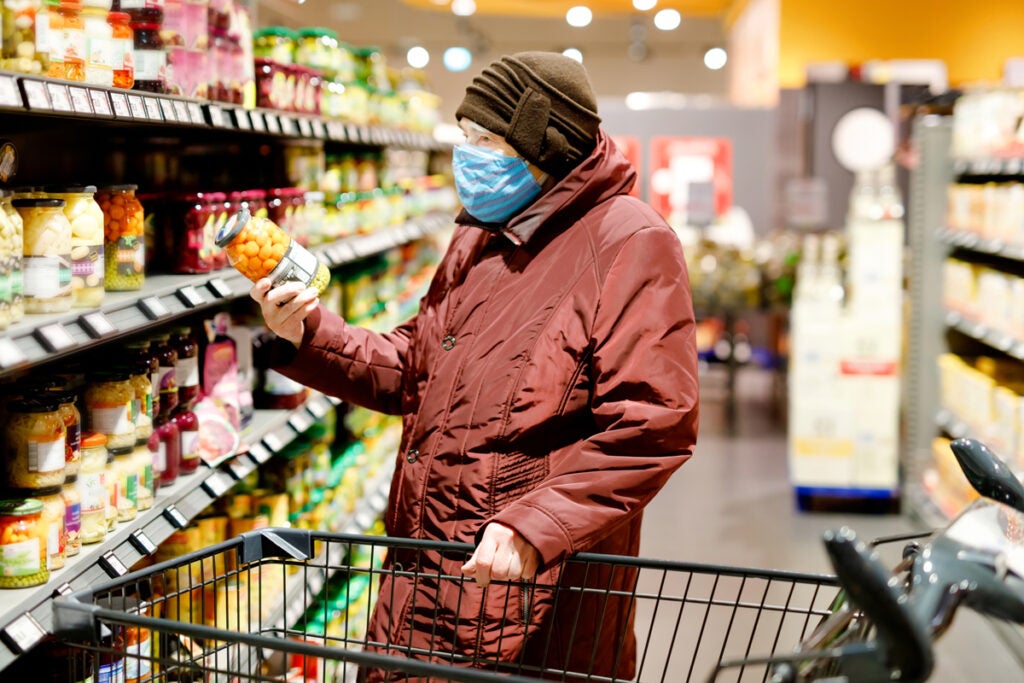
point(174, 516)
point(242, 121)
point(35, 94)
point(142, 543)
point(100, 103)
point(195, 112)
point(216, 115)
point(10, 354)
point(215, 485)
point(112, 565)
point(272, 123)
point(260, 454)
point(22, 634)
point(153, 109)
point(97, 325)
point(59, 98)
point(80, 100)
point(120, 104)
point(319, 129)
point(167, 108)
point(318, 408)
point(153, 308)
point(220, 288)
point(305, 129)
point(258, 124)
point(190, 296)
point(288, 126)
point(300, 422)
point(54, 337)
point(9, 96)
point(180, 111)
point(137, 106)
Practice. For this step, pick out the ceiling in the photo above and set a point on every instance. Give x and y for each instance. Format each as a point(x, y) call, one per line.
point(558, 8)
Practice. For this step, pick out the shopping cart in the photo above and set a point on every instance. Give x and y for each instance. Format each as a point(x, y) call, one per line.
point(243, 610)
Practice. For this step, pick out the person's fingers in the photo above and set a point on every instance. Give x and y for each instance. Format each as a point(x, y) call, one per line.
point(515, 566)
point(484, 559)
point(530, 566)
point(284, 293)
point(259, 289)
point(502, 562)
point(286, 310)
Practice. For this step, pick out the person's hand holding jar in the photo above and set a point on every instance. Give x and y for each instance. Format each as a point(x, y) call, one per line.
point(286, 307)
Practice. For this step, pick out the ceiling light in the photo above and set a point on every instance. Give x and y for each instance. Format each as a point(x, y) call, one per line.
point(667, 19)
point(463, 8)
point(579, 16)
point(644, 5)
point(573, 53)
point(418, 57)
point(715, 58)
point(457, 59)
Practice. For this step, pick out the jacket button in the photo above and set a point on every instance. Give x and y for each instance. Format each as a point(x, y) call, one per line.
point(448, 343)
point(412, 455)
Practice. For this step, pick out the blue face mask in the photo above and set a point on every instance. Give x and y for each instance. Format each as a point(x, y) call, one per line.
point(492, 186)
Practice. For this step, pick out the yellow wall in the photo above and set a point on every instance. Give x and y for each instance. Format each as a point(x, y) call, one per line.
point(973, 37)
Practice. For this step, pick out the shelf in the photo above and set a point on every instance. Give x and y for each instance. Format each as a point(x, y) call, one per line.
point(989, 167)
point(49, 97)
point(1000, 341)
point(971, 242)
point(951, 424)
point(26, 615)
point(46, 337)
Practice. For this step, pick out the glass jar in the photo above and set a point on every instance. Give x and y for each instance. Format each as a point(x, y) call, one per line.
point(217, 205)
point(258, 248)
point(92, 488)
point(167, 359)
point(26, 25)
point(122, 50)
point(142, 404)
point(35, 435)
point(86, 219)
point(173, 28)
point(72, 516)
point(100, 48)
point(256, 202)
point(124, 243)
point(67, 42)
point(54, 513)
point(187, 366)
point(22, 544)
point(7, 246)
point(275, 43)
point(47, 255)
point(72, 419)
point(144, 352)
point(142, 461)
point(192, 237)
point(165, 444)
point(112, 484)
point(128, 488)
point(108, 407)
point(16, 255)
point(150, 58)
point(188, 433)
point(316, 48)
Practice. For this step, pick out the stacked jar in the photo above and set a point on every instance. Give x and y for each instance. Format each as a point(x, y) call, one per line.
point(165, 442)
point(16, 255)
point(123, 49)
point(47, 255)
point(124, 244)
point(86, 219)
point(100, 49)
point(188, 231)
point(184, 34)
point(187, 373)
point(8, 244)
point(149, 54)
point(67, 42)
point(26, 37)
point(92, 489)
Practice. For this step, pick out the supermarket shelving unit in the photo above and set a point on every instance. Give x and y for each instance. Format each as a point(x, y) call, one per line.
point(31, 106)
point(930, 242)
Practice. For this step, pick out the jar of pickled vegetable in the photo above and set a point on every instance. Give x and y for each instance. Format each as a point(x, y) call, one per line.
point(144, 352)
point(47, 255)
point(258, 248)
point(72, 516)
point(142, 461)
point(123, 240)
point(67, 42)
point(142, 404)
point(100, 48)
point(108, 407)
point(92, 489)
point(123, 49)
point(16, 258)
point(35, 436)
point(86, 218)
point(54, 513)
point(7, 244)
point(22, 544)
point(275, 43)
point(72, 418)
point(112, 484)
point(128, 489)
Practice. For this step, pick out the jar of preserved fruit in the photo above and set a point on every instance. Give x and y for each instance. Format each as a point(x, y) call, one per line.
point(258, 248)
point(112, 484)
point(275, 43)
point(72, 516)
point(16, 255)
point(35, 436)
point(192, 238)
point(123, 240)
point(187, 366)
point(150, 58)
point(22, 544)
point(123, 50)
point(54, 513)
point(47, 255)
point(165, 444)
point(108, 407)
point(86, 219)
point(92, 488)
point(67, 43)
point(128, 489)
point(142, 404)
point(69, 413)
point(142, 461)
point(188, 434)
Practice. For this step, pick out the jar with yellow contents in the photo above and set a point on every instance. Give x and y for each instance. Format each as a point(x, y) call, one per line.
point(124, 248)
point(92, 488)
point(22, 544)
point(46, 269)
point(87, 257)
point(35, 438)
point(16, 256)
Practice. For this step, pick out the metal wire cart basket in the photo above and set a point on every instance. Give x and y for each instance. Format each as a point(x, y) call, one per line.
point(290, 605)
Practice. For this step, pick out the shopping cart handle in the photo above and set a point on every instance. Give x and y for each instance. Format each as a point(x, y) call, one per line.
point(988, 474)
point(904, 643)
point(275, 542)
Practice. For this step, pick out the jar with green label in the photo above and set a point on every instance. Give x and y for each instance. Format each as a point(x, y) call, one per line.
point(22, 544)
point(16, 255)
point(124, 245)
point(127, 474)
point(275, 43)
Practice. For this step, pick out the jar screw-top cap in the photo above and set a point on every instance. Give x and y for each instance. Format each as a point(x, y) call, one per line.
point(233, 226)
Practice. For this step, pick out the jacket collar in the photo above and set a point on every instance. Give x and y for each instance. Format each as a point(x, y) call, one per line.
point(602, 175)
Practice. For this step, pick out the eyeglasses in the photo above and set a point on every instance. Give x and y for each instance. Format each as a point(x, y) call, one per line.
point(479, 136)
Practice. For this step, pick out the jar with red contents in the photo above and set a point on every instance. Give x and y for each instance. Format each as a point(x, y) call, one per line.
point(282, 206)
point(255, 201)
point(165, 443)
point(191, 228)
point(220, 208)
point(150, 58)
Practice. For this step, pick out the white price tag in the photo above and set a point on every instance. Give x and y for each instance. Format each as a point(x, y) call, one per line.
point(260, 454)
point(167, 107)
point(35, 93)
point(54, 337)
point(319, 129)
point(305, 129)
point(190, 296)
point(195, 112)
point(272, 442)
point(242, 120)
point(181, 111)
point(272, 124)
point(216, 115)
point(10, 354)
point(80, 100)
point(23, 633)
point(352, 132)
point(137, 106)
point(97, 325)
point(59, 98)
point(100, 103)
point(288, 126)
point(153, 308)
point(257, 122)
point(9, 96)
point(153, 109)
point(120, 105)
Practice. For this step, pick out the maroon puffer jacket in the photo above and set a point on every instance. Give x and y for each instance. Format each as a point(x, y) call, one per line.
point(549, 382)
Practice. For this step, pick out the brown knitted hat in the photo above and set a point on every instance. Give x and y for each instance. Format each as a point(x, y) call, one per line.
point(541, 103)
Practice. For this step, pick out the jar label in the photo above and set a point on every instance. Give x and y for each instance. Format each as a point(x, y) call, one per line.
point(146, 481)
point(297, 265)
point(5, 288)
point(46, 277)
point(111, 673)
point(20, 559)
point(160, 458)
point(111, 420)
point(72, 519)
point(101, 52)
point(54, 546)
point(42, 26)
point(150, 65)
point(187, 371)
point(189, 444)
point(73, 443)
point(92, 492)
point(168, 379)
point(71, 45)
point(131, 256)
point(154, 381)
point(89, 263)
point(138, 657)
point(123, 54)
point(46, 456)
point(130, 488)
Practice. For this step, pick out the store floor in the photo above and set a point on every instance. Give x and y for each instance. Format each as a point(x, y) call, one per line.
point(732, 504)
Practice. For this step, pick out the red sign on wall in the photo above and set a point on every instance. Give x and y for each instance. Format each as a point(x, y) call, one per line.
point(634, 152)
point(691, 178)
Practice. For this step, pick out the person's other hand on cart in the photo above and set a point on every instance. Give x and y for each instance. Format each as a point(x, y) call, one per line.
point(547, 385)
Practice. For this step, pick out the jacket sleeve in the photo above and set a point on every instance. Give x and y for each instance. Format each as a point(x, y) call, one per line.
point(643, 402)
point(355, 364)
